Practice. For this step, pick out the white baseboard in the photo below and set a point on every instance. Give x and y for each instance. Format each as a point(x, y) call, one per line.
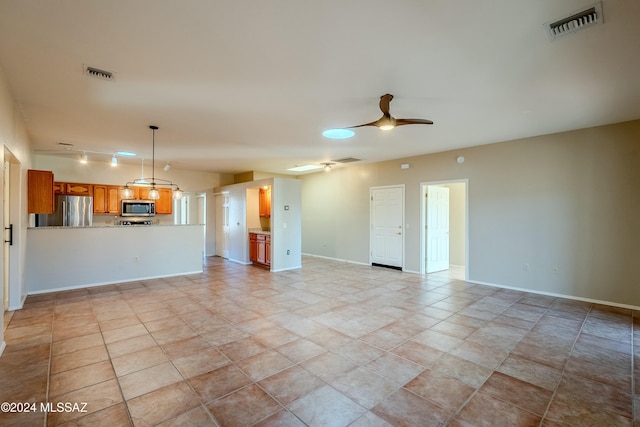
point(93, 285)
point(3, 345)
point(552, 294)
point(287, 269)
point(335, 259)
point(18, 307)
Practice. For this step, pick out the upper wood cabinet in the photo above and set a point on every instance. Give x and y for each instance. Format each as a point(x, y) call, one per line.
point(40, 197)
point(59, 187)
point(106, 199)
point(265, 202)
point(114, 198)
point(164, 205)
point(75, 189)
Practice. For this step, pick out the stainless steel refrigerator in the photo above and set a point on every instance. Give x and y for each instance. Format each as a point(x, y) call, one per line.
point(70, 211)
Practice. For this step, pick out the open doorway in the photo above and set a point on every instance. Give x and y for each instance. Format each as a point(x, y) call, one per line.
point(444, 228)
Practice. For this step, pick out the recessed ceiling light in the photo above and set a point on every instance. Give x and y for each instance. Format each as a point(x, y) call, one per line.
point(125, 153)
point(304, 168)
point(338, 133)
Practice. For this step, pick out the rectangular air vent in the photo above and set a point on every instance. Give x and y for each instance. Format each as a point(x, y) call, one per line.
point(346, 160)
point(98, 74)
point(584, 18)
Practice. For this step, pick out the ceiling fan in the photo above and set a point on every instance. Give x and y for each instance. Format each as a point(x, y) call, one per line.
point(387, 121)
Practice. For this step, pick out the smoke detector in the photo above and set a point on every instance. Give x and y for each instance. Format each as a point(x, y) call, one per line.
point(579, 20)
point(99, 74)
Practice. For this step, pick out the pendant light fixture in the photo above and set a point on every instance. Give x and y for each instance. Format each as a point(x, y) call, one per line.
point(154, 193)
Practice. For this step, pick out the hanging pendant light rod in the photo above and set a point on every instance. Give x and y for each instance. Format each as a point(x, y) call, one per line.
point(127, 192)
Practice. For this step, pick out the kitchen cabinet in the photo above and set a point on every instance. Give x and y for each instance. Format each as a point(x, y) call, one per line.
point(59, 187)
point(260, 249)
point(106, 199)
point(75, 189)
point(40, 196)
point(164, 205)
point(113, 199)
point(265, 202)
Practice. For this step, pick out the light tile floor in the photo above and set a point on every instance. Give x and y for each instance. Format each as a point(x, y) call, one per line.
point(331, 344)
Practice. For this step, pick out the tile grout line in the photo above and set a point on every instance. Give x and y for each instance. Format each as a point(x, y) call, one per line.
point(477, 390)
point(633, 376)
point(115, 375)
point(564, 366)
point(46, 395)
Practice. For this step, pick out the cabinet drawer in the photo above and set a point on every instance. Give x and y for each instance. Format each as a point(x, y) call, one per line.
point(261, 237)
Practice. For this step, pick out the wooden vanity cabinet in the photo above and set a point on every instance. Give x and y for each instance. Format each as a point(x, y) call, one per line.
point(260, 249)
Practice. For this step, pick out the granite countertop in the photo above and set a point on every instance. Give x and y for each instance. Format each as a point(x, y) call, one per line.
point(116, 226)
point(259, 231)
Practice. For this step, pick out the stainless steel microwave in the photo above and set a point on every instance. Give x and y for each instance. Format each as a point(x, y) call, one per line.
point(138, 208)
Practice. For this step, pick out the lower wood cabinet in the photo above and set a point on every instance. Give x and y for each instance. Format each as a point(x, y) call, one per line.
point(260, 249)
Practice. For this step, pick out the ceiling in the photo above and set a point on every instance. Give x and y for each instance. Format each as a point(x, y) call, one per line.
point(237, 85)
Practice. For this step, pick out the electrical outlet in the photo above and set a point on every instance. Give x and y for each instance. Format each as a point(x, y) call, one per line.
point(288, 252)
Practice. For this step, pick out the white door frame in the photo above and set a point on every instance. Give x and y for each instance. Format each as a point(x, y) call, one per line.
point(371, 189)
point(423, 212)
point(11, 207)
point(222, 222)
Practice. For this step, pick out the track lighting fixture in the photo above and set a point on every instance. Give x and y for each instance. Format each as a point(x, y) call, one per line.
point(83, 158)
point(166, 167)
point(114, 161)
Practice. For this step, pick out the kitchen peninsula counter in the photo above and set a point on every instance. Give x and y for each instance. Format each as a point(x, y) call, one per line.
point(61, 258)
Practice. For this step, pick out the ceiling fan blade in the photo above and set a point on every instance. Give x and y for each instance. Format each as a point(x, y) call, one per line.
point(384, 103)
point(400, 122)
point(366, 124)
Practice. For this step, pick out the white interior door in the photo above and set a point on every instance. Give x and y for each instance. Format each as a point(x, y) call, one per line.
point(437, 229)
point(222, 225)
point(387, 233)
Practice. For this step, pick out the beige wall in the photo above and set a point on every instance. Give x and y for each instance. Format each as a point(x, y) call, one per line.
point(565, 204)
point(15, 149)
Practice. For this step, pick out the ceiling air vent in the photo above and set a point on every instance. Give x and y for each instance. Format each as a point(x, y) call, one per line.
point(584, 18)
point(346, 160)
point(98, 74)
